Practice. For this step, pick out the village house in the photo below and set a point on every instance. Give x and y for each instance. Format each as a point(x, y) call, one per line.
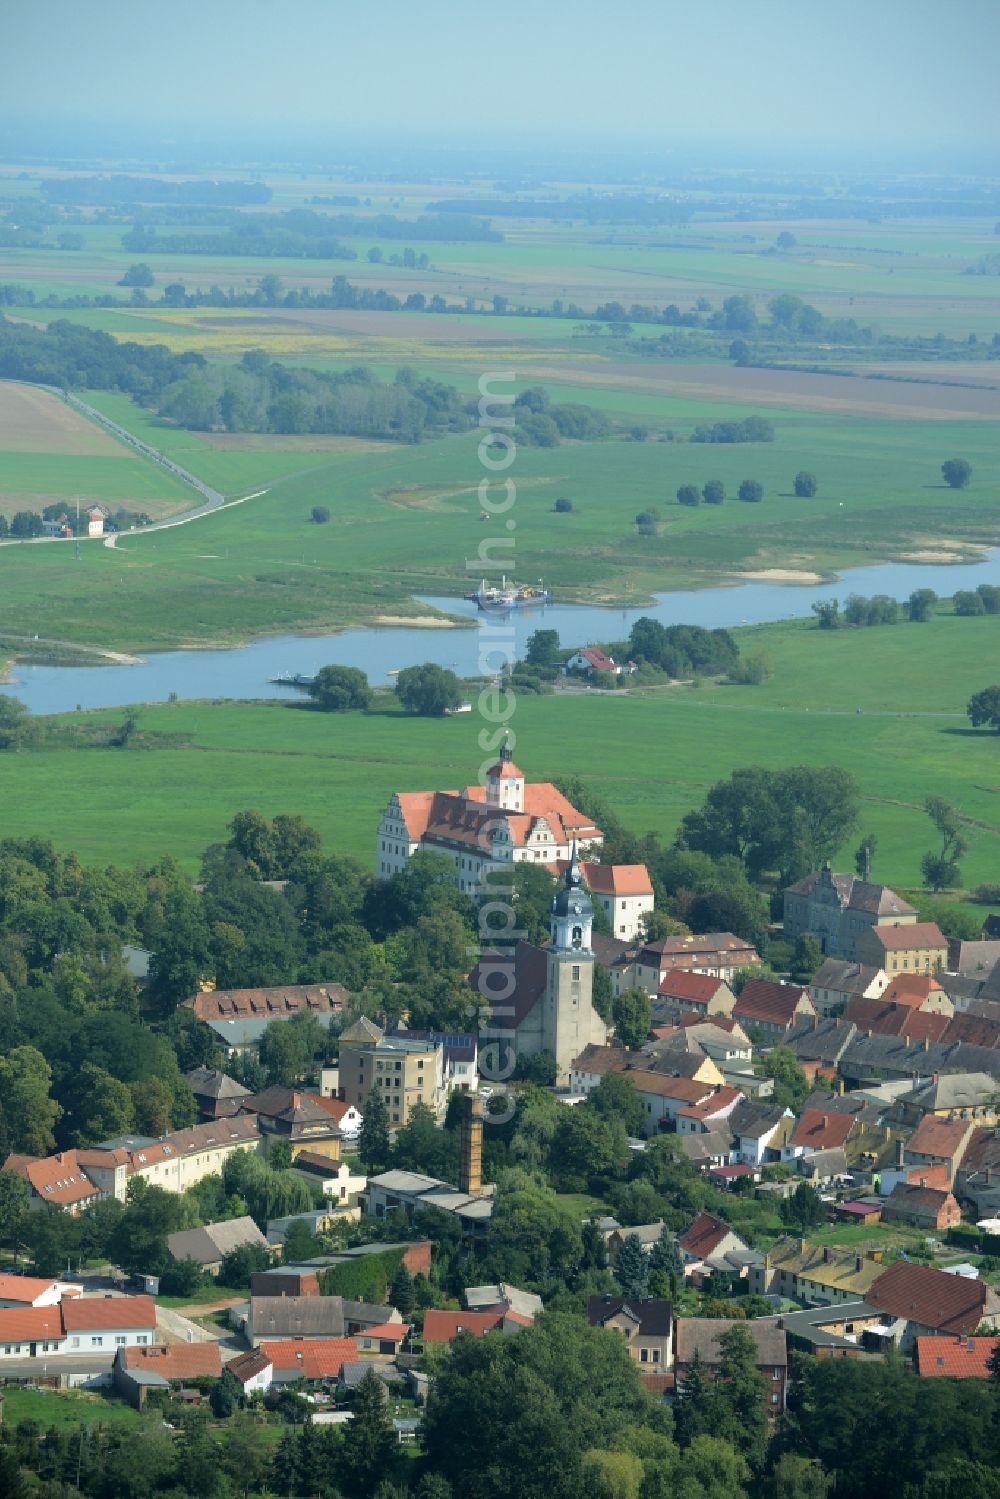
point(336, 1179)
point(503, 1297)
point(137, 1370)
point(874, 1061)
point(444, 1327)
point(595, 1062)
point(955, 1358)
point(939, 1142)
point(818, 1045)
point(77, 1325)
point(310, 1359)
point(684, 1060)
point(208, 1246)
point(917, 947)
point(955, 1095)
point(758, 1132)
point(918, 1301)
point(588, 660)
point(818, 1131)
point(645, 1324)
point(664, 1096)
point(699, 1337)
point(239, 1017)
point(412, 1190)
point(614, 1237)
point(217, 1095)
point(97, 517)
point(307, 1317)
point(33, 1290)
point(815, 1274)
point(709, 1246)
point(711, 1114)
point(302, 1120)
point(722, 1041)
point(838, 909)
point(707, 1151)
point(509, 820)
point(839, 980)
point(683, 992)
point(719, 954)
point(253, 1369)
point(922, 1205)
point(973, 959)
point(772, 1008)
point(624, 893)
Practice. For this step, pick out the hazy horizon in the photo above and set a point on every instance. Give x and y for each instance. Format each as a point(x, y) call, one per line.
point(905, 80)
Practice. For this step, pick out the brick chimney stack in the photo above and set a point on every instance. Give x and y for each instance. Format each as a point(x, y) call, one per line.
point(470, 1177)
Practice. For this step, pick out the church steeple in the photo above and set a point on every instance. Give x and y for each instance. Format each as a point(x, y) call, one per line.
point(572, 911)
point(505, 782)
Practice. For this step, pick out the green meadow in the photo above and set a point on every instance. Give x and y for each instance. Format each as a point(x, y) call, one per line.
point(652, 754)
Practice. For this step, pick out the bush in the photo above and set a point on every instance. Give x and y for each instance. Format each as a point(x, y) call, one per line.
point(751, 491)
point(688, 495)
point(714, 492)
point(956, 472)
point(805, 485)
point(753, 670)
point(563, 505)
point(319, 514)
point(986, 895)
point(966, 602)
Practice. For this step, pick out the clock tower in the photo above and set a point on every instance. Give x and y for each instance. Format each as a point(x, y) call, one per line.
point(570, 1021)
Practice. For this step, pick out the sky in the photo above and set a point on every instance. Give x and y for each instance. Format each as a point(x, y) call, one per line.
point(865, 75)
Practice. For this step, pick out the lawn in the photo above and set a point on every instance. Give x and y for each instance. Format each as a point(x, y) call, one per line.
point(65, 1409)
point(652, 755)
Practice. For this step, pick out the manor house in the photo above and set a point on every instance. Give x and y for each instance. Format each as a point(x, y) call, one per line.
point(508, 821)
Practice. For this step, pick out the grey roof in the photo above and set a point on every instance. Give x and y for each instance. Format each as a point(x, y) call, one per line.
point(214, 1241)
point(960, 1090)
point(869, 1054)
point(477, 1298)
point(859, 1103)
point(808, 1325)
point(832, 1162)
point(353, 1373)
point(136, 960)
point(706, 1144)
point(855, 894)
point(974, 958)
point(750, 1121)
point(247, 1030)
point(208, 1082)
point(653, 1317)
point(846, 977)
point(701, 1335)
point(310, 1316)
point(824, 1042)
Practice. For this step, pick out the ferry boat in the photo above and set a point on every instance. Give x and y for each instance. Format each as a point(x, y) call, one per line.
point(510, 596)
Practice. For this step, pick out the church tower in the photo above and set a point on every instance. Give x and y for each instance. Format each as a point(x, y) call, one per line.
point(570, 1021)
point(505, 782)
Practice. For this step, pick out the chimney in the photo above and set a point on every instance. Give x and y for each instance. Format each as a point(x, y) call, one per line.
point(935, 1078)
point(923, 1181)
point(900, 1154)
point(826, 1121)
point(470, 1178)
point(826, 1254)
point(858, 1261)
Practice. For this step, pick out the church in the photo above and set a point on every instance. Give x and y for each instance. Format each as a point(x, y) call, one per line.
point(542, 999)
point(506, 821)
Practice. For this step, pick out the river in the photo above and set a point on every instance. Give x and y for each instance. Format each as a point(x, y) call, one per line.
point(245, 671)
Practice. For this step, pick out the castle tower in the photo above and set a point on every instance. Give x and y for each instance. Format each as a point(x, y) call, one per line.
point(505, 782)
point(570, 1021)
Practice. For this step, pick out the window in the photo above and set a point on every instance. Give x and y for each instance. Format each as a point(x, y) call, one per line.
point(142, 1338)
point(74, 1342)
point(97, 1342)
point(575, 975)
point(120, 1342)
point(644, 1355)
point(776, 1374)
point(774, 1398)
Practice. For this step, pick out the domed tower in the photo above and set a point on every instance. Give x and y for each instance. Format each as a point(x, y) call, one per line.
point(570, 1020)
point(505, 782)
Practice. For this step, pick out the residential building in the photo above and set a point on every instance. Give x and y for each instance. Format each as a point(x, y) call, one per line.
point(311, 1359)
point(723, 1041)
point(615, 1234)
point(957, 1095)
point(709, 1151)
point(917, 947)
point(217, 1095)
point(461, 1052)
point(685, 1059)
point(682, 991)
point(663, 1096)
point(595, 1062)
point(918, 1301)
point(839, 980)
point(973, 959)
point(699, 1337)
point(818, 1045)
point(939, 1141)
point(589, 659)
point(33, 1290)
point(815, 1274)
point(838, 909)
point(336, 1179)
point(411, 1191)
point(719, 954)
point(239, 1017)
point(772, 1008)
point(179, 1160)
point(304, 1121)
point(253, 1369)
point(137, 1370)
point(404, 1072)
point(922, 1205)
point(645, 1324)
point(918, 991)
point(507, 820)
point(77, 1325)
point(57, 1179)
point(444, 1327)
point(709, 1246)
point(382, 1341)
point(307, 1317)
point(624, 893)
point(955, 1358)
point(711, 1114)
point(817, 1131)
point(758, 1132)
point(542, 999)
point(208, 1246)
point(874, 1061)
point(503, 1297)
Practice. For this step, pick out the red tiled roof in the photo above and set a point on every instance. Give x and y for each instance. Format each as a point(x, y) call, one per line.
point(660, 1085)
point(914, 1194)
point(58, 1178)
point(762, 1001)
point(704, 1235)
point(245, 1365)
point(443, 1327)
point(955, 1358)
point(396, 1331)
point(904, 938)
point(876, 1017)
point(948, 1139)
point(949, 1303)
point(818, 1131)
point(268, 1004)
point(23, 1288)
point(723, 1098)
point(28, 1324)
point(617, 879)
point(311, 1358)
point(108, 1313)
point(681, 983)
point(911, 989)
point(600, 1059)
point(178, 1361)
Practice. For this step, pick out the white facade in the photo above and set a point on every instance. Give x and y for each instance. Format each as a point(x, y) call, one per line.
point(107, 1338)
point(625, 913)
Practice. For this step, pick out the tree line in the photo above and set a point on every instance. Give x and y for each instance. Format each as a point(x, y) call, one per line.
point(880, 609)
point(302, 232)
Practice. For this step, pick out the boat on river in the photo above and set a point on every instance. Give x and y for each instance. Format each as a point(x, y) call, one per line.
point(489, 596)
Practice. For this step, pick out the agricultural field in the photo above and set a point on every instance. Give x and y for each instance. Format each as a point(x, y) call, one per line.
point(50, 453)
point(670, 745)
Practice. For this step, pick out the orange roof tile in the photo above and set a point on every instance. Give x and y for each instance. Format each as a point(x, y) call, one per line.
point(28, 1324)
point(443, 1327)
point(108, 1312)
point(682, 983)
point(921, 934)
point(662, 1086)
point(722, 1098)
point(617, 879)
point(947, 1139)
point(311, 1358)
point(55, 1178)
point(396, 1331)
point(921, 1294)
point(23, 1288)
point(703, 1235)
point(762, 1001)
point(178, 1361)
point(818, 1131)
point(955, 1358)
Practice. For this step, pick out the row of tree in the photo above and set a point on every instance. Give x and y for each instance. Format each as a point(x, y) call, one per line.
point(880, 609)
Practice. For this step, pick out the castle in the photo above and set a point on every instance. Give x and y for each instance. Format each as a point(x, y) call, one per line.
point(507, 821)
